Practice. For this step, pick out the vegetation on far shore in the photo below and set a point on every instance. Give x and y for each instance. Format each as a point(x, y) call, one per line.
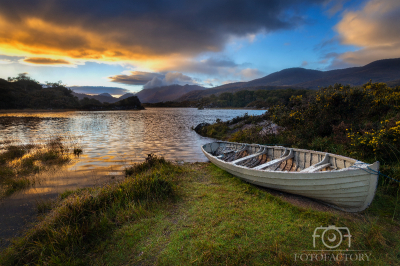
point(24, 92)
point(18, 163)
point(260, 98)
point(191, 214)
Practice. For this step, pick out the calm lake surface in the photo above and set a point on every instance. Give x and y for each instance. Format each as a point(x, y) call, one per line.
point(111, 141)
point(115, 138)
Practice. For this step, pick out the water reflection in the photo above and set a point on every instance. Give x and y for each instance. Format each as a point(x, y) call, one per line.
point(119, 137)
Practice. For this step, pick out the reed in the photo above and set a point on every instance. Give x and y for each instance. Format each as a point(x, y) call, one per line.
point(20, 162)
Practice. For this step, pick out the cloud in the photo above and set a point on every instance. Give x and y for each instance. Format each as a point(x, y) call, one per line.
point(250, 74)
point(326, 43)
point(374, 29)
point(46, 61)
point(305, 63)
point(218, 62)
point(150, 32)
point(333, 61)
point(135, 78)
point(99, 89)
point(5, 61)
point(151, 80)
point(170, 79)
point(334, 6)
point(222, 67)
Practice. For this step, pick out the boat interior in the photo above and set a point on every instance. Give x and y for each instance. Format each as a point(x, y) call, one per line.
point(277, 158)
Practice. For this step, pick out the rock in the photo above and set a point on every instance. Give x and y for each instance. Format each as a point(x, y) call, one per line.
point(200, 126)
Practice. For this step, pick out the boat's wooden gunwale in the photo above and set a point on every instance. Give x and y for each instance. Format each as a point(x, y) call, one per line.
point(332, 156)
point(348, 189)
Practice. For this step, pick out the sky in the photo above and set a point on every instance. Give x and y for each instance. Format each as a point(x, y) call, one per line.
point(125, 46)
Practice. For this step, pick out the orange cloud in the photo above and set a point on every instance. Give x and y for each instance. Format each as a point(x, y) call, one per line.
point(156, 36)
point(46, 61)
point(375, 29)
point(34, 36)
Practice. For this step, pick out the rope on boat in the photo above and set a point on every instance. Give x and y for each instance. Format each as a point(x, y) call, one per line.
point(372, 171)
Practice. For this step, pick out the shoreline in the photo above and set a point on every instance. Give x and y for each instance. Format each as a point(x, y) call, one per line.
point(5, 111)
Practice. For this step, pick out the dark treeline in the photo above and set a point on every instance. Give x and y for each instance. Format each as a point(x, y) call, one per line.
point(172, 104)
point(247, 98)
point(23, 92)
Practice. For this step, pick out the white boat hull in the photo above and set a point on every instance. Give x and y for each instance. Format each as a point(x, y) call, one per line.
point(349, 189)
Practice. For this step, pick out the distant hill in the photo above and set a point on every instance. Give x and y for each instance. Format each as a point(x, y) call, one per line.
point(386, 70)
point(105, 94)
point(103, 97)
point(166, 93)
point(126, 95)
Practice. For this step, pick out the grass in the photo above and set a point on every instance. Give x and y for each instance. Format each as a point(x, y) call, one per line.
point(18, 163)
point(193, 214)
point(224, 221)
point(81, 219)
point(44, 205)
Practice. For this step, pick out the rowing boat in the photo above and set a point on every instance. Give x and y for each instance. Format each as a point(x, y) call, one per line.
point(341, 182)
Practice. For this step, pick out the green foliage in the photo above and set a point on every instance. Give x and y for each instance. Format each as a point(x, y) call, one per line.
point(361, 118)
point(360, 122)
point(251, 98)
point(216, 130)
point(151, 161)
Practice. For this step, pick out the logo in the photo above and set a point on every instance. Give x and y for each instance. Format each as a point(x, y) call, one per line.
point(332, 236)
point(338, 242)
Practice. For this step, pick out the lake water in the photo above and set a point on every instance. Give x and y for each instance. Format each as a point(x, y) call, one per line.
point(115, 138)
point(111, 140)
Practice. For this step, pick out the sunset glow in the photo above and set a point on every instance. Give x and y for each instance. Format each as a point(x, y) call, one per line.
point(211, 44)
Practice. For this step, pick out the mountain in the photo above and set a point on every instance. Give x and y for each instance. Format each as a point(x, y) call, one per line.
point(288, 77)
point(126, 95)
point(386, 70)
point(166, 93)
point(103, 97)
point(105, 94)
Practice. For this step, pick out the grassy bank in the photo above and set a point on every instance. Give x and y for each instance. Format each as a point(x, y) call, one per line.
point(18, 163)
point(192, 214)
